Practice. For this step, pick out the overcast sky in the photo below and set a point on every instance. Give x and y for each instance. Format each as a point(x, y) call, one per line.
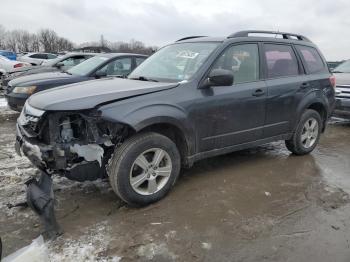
point(159, 22)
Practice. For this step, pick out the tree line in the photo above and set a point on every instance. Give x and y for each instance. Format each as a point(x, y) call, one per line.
point(47, 40)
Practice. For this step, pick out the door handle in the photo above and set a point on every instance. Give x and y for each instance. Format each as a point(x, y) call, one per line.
point(258, 92)
point(305, 85)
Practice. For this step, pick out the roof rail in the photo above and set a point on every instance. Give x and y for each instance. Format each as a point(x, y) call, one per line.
point(190, 37)
point(283, 34)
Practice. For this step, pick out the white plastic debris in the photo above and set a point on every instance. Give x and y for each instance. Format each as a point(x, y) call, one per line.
point(35, 252)
point(206, 245)
point(267, 194)
point(90, 152)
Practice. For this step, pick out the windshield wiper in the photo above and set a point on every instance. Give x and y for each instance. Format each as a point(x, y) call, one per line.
point(143, 78)
point(337, 72)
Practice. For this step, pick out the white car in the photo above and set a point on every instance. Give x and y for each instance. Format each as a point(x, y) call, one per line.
point(9, 66)
point(36, 58)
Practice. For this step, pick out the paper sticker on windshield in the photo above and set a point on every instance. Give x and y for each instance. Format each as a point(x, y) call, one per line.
point(187, 54)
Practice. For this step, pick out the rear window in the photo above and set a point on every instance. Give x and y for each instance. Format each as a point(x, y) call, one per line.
point(312, 59)
point(281, 61)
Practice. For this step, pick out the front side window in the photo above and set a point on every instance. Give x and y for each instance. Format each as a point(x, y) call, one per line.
point(87, 66)
point(312, 59)
point(280, 61)
point(118, 67)
point(242, 60)
point(176, 62)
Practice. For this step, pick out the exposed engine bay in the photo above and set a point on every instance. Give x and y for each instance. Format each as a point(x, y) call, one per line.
point(75, 144)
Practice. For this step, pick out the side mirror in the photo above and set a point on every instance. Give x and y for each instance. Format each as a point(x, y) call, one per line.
point(218, 77)
point(60, 64)
point(100, 74)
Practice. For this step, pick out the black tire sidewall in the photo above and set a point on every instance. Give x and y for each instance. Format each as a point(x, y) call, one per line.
point(305, 117)
point(122, 172)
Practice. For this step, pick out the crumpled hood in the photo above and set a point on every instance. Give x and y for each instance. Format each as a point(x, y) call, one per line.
point(342, 78)
point(37, 79)
point(89, 94)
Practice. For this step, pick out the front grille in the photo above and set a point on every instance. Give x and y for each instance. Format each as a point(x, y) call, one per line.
point(343, 91)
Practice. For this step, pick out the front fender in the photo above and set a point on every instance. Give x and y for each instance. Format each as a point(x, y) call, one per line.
point(147, 115)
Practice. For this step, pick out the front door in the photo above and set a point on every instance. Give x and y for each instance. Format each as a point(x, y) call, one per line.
point(233, 115)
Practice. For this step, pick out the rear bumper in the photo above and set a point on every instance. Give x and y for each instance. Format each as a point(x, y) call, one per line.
point(342, 108)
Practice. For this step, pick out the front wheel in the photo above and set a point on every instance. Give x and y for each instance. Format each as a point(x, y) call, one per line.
point(144, 168)
point(307, 133)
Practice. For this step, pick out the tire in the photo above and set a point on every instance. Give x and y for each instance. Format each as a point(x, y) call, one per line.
point(127, 168)
point(298, 145)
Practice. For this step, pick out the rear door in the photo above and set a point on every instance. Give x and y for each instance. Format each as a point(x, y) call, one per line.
point(286, 84)
point(232, 115)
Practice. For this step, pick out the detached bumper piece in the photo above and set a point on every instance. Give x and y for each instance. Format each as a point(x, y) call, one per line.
point(40, 199)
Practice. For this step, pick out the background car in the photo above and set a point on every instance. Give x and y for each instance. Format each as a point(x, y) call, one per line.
point(334, 64)
point(9, 54)
point(8, 65)
point(36, 58)
point(103, 65)
point(342, 74)
point(61, 63)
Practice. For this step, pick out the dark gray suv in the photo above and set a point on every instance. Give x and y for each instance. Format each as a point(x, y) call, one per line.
point(196, 98)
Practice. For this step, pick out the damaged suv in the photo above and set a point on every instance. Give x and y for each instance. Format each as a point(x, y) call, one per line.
point(196, 98)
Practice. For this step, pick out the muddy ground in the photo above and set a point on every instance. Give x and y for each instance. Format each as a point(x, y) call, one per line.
point(261, 204)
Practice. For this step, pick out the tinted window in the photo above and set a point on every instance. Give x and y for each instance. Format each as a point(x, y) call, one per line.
point(51, 56)
point(312, 59)
point(38, 56)
point(139, 60)
point(87, 66)
point(118, 67)
point(242, 60)
point(281, 61)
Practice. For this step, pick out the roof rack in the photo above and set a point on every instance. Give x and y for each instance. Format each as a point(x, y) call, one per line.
point(283, 34)
point(190, 37)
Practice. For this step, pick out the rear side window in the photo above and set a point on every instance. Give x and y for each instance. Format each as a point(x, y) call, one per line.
point(39, 56)
point(312, 59)
point(280, 61)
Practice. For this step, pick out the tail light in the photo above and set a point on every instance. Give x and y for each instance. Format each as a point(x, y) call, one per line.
point(332, 81)
point(18, 65)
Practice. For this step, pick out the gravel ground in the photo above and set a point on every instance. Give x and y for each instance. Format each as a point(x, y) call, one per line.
point(261, 204)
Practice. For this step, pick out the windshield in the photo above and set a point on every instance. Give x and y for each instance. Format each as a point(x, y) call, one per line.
point(51, 62)
point(343, 67)
point(175, 62)
point(87, 66)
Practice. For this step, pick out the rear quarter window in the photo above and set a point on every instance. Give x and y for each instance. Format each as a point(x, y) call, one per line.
point(312, 59)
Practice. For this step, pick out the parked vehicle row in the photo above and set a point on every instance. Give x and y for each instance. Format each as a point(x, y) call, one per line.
point(99, 66)
point(196, 98)
point(61, 63)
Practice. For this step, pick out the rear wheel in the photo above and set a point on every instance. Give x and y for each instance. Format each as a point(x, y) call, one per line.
point(144, 168)
point(307, 134)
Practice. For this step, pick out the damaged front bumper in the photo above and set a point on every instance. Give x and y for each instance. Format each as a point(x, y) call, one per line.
point(78, 159)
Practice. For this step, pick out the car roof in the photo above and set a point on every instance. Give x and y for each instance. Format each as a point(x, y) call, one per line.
point(245, 36)
point(112, 55)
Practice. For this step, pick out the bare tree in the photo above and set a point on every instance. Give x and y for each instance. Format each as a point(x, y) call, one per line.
point(2, 37)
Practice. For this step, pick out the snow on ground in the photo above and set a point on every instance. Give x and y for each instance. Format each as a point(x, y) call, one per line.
point(3, 103)
point(89, 247)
